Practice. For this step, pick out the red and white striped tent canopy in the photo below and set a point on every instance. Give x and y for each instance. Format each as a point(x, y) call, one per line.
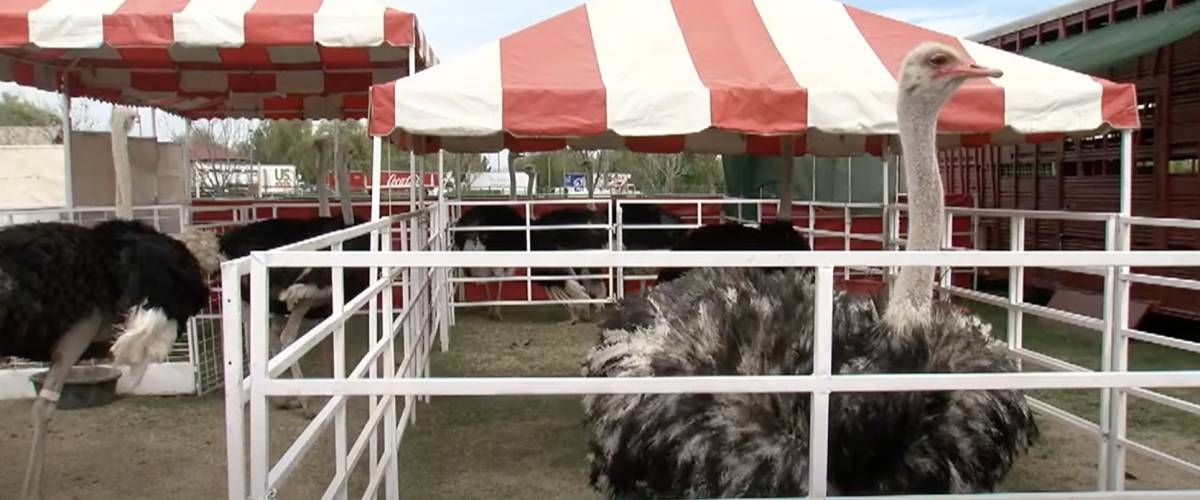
point(724, 76)
point(280, 59)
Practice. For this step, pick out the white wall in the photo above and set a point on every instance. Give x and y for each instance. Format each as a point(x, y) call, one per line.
point(31, 177)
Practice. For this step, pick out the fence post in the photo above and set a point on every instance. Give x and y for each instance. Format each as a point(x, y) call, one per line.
point(408, 274)
point(1016, 287)
point(948, 272)
point(449, 318)
point(619, 224)
point(392, 472)
point(528, 248)
point(235, 406)
point(1119, 356)
point(259, 423)
point(822, 369)
point(338, 303)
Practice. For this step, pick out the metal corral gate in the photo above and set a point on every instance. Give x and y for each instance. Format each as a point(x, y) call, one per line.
point(432, 262)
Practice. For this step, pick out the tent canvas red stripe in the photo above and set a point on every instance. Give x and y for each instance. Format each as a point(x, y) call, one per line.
point(977, 107)
point(142, 23)
point(729, 77)
point(1119, 104)
point(752, 87)
point(281, 22)
point(14, 21)
point(190, 57)
point(566, 98)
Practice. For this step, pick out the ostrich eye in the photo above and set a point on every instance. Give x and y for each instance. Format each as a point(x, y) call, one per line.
point(939, 60)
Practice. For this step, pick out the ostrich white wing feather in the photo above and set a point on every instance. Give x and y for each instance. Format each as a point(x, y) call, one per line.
point(146, 337)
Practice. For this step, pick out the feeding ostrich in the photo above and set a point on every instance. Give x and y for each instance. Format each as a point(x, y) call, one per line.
point(571, 239)
point(741, 322)
point(734, 237)
point(66, 290)
point(297, 294)
point(491, 241)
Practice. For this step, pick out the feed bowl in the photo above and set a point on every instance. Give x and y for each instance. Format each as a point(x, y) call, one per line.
point(86, 386)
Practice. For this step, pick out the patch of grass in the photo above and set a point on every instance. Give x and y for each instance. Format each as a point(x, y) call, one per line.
point(1165, 428)
point(514, 447)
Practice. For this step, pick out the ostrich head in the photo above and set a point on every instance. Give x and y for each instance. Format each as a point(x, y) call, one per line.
point(122, 119)
point(933, 71)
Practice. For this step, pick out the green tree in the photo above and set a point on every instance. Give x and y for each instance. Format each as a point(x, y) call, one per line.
point(17, 112)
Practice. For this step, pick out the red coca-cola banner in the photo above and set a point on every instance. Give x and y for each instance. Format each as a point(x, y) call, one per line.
point(390, 180)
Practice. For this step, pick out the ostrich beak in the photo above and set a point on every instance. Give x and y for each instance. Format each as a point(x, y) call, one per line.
point(975, 71)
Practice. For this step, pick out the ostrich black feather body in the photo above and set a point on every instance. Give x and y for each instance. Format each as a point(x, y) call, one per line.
point(568, 239)
point(743, 322)
point(52, 275)
point(274, 233)
point(734, 237)
point(637, 214)
point(495, 241)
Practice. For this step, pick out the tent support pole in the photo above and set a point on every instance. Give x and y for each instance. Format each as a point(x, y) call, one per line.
point(322, 180)
point(343, 178)
point(786, 171)
point(68, 188)
point(188, 181)
point(376, 172)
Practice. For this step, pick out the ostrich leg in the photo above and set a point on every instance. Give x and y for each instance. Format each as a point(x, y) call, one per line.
point(573, 290)
point(499, 297)
point(596, 290)
point(487, 295)
point(67, 352)
point(559, 294)
point(288, 336)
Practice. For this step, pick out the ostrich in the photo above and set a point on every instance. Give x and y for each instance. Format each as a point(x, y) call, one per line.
point(638, 214)
point(571, 239)
point(298, 294)
point(121, 121)
point(734, 237)
point(495, 241)
point(66, 290)
point(741, 322)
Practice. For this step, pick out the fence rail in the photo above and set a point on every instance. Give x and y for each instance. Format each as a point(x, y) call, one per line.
point(422, 269)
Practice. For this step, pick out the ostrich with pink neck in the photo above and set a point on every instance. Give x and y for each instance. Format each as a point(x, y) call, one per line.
point(737, 322)
point(929, 76)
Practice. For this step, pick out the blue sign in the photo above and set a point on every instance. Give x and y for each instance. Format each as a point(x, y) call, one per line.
point(575, 181)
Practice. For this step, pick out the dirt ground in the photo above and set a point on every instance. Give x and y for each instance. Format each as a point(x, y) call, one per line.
point(460, 448)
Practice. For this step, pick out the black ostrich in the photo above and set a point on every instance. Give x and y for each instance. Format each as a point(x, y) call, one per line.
point(734, 237)
point(742, 322)
point(639, 214)
point(67, 292)
point(493, 241)
point(297, 294)
point(571, 239)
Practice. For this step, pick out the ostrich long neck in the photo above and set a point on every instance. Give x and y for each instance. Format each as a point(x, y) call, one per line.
point(121, 167)
point(912, 297)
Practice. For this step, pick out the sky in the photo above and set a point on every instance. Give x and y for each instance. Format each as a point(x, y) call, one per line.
point(457, 26)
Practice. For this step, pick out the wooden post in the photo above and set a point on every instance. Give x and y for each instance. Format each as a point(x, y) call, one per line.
point(1060, 185)
point(1162, 145)
point(1037, 194)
